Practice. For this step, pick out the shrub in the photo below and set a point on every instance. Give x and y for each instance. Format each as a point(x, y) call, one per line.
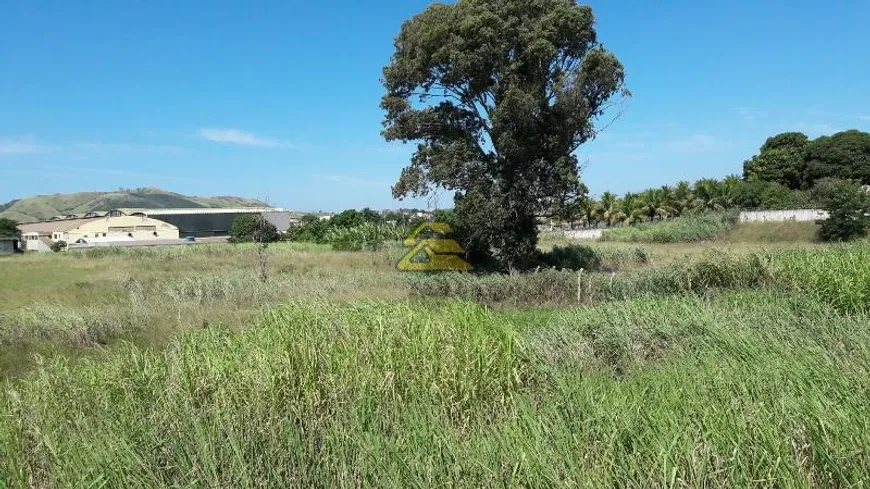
point(592, 259)
point(682, 229)
point(365, 236)
point(58, 246)
point(252, 228)
point(310, 230)
point(848, 206)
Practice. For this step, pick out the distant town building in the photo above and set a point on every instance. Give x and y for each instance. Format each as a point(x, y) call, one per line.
point(207, 222)
point(38, 236)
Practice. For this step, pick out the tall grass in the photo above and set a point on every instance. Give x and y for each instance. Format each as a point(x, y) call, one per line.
point(744, 390)
point(839, 275)
point(596, 258)
point(773, 232)
point(715, 271)
point(365, 236)
point(682, 229)
point(184, 251)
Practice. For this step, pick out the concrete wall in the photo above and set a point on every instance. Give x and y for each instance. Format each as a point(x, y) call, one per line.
point(799, 215)
point(584, 234)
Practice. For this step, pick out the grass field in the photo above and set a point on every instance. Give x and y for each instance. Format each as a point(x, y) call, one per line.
point(719, 364)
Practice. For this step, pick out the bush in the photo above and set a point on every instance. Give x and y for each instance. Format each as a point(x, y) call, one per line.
point(848, 206)
point(252, 228)
point(682, 229)
point(597, 259)
point(313, 229)
point(365, 236)
point(58, 246)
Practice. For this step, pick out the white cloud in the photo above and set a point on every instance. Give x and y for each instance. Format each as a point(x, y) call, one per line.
point(241, 138)
point(22, 146)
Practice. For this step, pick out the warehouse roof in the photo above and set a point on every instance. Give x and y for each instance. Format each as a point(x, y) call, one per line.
point(199, 210)
point(46, 227)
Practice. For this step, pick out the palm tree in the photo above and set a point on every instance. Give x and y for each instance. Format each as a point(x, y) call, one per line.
point(653, 204)
point(729, 188)
point(629, 211)
point(708, 195)
point(607, 209)
point(682, 197)
point(667, 194)
point(588, 212)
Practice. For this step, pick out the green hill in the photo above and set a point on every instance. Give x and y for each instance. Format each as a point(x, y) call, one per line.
point(46, 206)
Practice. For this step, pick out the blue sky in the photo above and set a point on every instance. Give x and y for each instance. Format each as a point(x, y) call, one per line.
point(279, 100)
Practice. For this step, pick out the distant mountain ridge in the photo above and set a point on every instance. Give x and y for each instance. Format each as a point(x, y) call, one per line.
point(43, 207)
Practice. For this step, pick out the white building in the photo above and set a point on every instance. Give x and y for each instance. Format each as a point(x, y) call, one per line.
point(38, 236)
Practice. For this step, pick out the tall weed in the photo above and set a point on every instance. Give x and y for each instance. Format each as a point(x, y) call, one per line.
point(681, 229)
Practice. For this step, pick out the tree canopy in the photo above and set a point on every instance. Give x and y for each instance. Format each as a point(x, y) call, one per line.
point(795, 161)
point(9, 228)
point(844, 155)
point(499, 95)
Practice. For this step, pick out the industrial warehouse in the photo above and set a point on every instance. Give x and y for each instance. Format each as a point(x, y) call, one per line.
point(209, 222)
point(139, 227)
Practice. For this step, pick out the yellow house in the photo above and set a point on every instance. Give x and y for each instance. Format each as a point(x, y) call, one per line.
point(38, 235)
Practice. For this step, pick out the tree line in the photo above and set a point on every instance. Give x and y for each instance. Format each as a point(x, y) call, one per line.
point(790, 171)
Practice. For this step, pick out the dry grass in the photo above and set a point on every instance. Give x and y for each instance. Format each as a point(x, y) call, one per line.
point(76, 304)
point(724, 370)
point(773, 232)
point(742, 390)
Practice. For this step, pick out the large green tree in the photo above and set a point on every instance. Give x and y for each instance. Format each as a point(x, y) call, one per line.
point(499, 94)
point(780, 160)
point(844, 155)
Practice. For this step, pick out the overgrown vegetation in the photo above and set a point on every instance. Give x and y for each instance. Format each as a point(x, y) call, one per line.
point(340, 371)
point(839, 276)
point(365, 236)
point(686, 391)
point(682, 229)
point(352, 230)
point(848, 206)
